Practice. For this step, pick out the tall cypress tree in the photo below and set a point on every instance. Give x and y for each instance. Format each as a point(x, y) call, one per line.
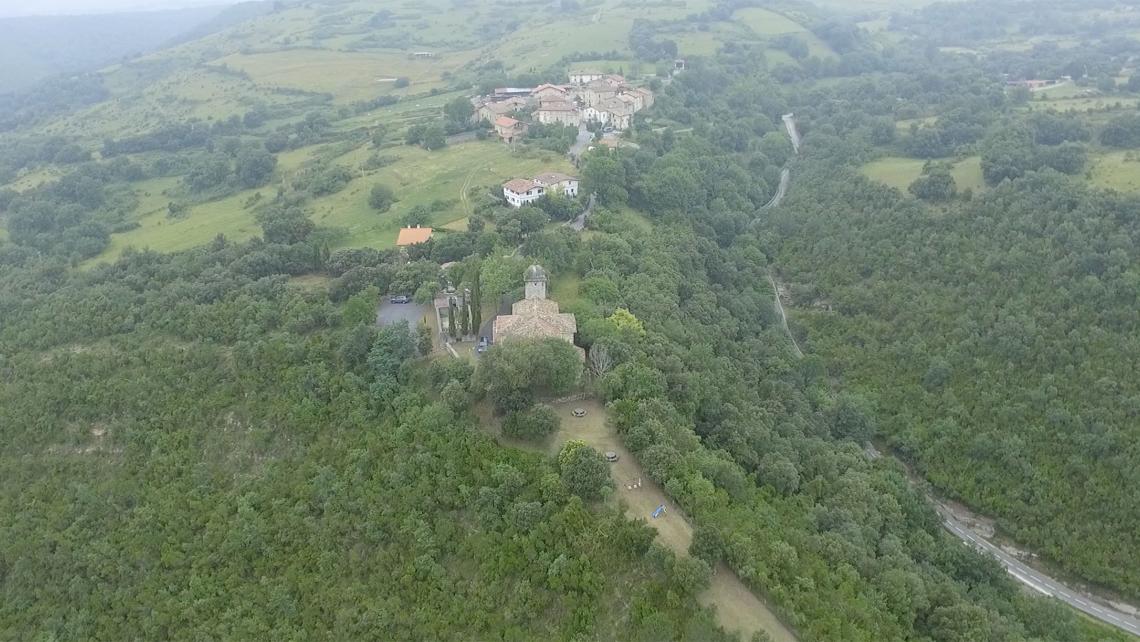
point(465, 317)
point(476, 301)
point(451, 319)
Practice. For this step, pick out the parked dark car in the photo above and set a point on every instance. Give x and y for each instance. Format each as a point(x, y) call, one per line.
point(400, 298)
point(482, 345)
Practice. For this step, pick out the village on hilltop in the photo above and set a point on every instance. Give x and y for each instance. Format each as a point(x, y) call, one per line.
point(589, 97)
point(607, 100)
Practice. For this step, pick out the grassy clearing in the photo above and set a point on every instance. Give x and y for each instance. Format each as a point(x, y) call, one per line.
point(348, 76)
point(422, 178)
point(458, 225)
point(1094, 103)
point(542, 45)
point(1064, 90)
point(194, 92)
point(777, 57)
point(1117, 170)
point(200, 225)
point(698, 43)
point(418, 178)
point(904, 125)
point(614, 66)
point(705, 43)
point(768, 23)
point(899, 172)
point(405, 112)
point(35, 178)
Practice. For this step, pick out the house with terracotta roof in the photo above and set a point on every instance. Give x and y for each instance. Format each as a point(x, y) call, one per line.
point(558, 182)
point(535, 316)
point(522, 191)
point(489, 110)
point(549, 92)
point(596, 91)
point(613, 112)
point(509, 129)
point(413, 236)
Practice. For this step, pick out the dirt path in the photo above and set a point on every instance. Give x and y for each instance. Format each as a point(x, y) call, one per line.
point(464, 197)
point(737, 608)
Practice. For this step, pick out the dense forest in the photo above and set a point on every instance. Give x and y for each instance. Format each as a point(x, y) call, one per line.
point(998, 341)
point(244, 459)
point(221, 442)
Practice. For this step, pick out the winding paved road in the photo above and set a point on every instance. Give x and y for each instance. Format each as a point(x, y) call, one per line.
point(784, 318)
point(790, 125)
point(781, 189)
point(1038, 581)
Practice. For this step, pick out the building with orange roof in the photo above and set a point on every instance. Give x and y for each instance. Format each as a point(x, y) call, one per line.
point(509, 129)
point(413, 236)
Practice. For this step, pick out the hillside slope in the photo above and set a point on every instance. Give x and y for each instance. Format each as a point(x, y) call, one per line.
point(34, 48)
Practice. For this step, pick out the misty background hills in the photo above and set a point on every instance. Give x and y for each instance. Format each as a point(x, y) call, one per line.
point(34, 47)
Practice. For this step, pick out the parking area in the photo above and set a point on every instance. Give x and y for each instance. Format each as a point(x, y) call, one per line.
point(389, 313)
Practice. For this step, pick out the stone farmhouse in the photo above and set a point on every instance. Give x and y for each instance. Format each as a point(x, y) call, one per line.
point(489, 110)
point(583, 77)
point(535, 316)
point(558, 111)
point(509, 129)
point(523, 191)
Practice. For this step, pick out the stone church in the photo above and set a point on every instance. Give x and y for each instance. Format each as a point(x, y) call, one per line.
point(535, 316)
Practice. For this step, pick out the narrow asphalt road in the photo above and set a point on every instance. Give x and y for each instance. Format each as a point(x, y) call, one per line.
point(784, 318)
point(1039, 582)
point(579, 222)
point(580, 143)
point(790, 125)
point(781, 189)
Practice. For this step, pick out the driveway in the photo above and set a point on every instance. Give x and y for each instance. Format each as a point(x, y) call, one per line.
point(578, 224)
point(390, 313)
point(580, 144)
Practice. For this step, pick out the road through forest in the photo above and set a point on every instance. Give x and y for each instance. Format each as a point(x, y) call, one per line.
point(1093, 606)
point(1038, 581)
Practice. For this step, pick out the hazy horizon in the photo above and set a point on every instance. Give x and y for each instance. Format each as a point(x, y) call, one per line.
point(20, 8)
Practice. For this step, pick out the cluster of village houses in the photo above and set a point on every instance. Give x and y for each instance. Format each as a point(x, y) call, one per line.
point(589, 97)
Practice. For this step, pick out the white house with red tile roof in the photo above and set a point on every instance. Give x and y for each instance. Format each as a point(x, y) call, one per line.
point(522, 191)
point(558, 182)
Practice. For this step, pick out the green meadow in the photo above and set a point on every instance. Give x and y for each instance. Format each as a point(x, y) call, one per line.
point(1117, 170)
point(419, 177)
point(899, 172)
